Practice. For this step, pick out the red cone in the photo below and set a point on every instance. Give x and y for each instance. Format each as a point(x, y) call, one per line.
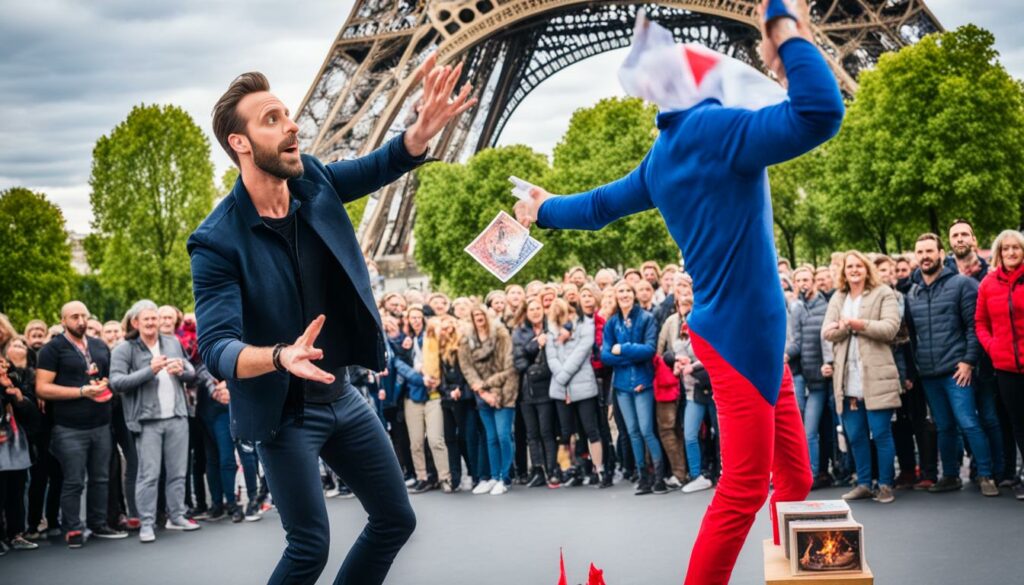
point(561, 565)
point(596, 576)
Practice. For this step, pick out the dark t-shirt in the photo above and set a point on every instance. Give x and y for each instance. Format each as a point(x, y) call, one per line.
point(310, 259)
point(66, 360)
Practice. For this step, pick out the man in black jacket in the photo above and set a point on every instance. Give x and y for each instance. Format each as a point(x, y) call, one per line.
point(941, 306)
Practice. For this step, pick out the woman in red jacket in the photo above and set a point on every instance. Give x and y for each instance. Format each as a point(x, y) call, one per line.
point(999, 319)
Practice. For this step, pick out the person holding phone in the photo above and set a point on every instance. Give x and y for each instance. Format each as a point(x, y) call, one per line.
point(149, 371)
point(71, 375)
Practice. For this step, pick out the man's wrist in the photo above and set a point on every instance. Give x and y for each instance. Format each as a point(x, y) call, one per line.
point(275, 357)
point(416, 145)
point(782, 29)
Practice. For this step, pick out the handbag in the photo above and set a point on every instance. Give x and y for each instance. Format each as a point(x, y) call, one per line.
point(538, 376)
point(702, 393)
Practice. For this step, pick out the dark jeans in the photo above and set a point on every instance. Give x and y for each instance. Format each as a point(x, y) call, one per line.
point(624, 445)
point(540, 433)
point(45, 485)
point(80, 452)
point(461, 428)
point(953, 407)
point(521, 437)
point(399, 432)
point(604, 388)
point(586, 411)
point(220, 455)
point(1011, 390)
point(120, 492)
point(349, 437)
point(195, 482)
point(12, 503)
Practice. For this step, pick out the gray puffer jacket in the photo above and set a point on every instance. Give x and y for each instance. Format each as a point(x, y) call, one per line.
point(570, 362)
point(942, 322)
point(803, 343)
point(132, 377)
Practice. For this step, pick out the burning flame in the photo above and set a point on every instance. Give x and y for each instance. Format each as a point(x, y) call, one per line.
point(833, 551)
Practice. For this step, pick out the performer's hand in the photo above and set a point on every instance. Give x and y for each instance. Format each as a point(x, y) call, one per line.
point(526, 211)
point(780, 30)
point(298, 358)
point(436, 108)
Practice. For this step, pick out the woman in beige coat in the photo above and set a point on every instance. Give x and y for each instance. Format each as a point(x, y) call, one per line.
point(861, 321)
point(485, 356)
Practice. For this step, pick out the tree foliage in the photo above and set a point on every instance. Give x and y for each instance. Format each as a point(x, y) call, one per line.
point(152, 183)
point(36, 260)
point(602, 143)
point(936, 132)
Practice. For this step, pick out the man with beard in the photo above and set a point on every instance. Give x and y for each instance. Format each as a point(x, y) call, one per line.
point(994, 419)
point(71, 375)
point(276, 254)
point(964, 257)
point(941, 306)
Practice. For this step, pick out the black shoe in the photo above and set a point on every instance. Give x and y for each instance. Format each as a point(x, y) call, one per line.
point(555, 479)
point(572, 477)
point(423, 486)
point(1018, 491)
point(606, 480)
point(643, 487)
point(522, 479)
point(946, 484)
point(216, 513)
point(252, 512)
point(75, 539)
point(345, 493)
point(659, 487)
point(237, 515)
point(536, 480)
point(109, 533)
point(822, 481)
point(198, 513)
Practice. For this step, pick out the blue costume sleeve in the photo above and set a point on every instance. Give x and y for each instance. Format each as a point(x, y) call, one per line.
point(755, 139)
point(597, 208)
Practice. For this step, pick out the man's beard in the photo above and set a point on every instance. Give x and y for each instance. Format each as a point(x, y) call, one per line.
point(962, 252)
point(78, 333)
point(270, 161)
point(935, 267)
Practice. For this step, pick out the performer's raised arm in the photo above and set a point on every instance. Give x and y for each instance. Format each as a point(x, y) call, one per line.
point(755, 139)
point(591, 210)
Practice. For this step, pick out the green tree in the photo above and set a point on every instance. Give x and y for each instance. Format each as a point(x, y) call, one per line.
point(935, 132)
point(36, 259)
point(794, 210)
point(455, 202)
point(152, 183)
point(603, 143)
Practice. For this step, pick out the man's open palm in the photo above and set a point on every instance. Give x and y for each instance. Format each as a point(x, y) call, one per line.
point(298, 358)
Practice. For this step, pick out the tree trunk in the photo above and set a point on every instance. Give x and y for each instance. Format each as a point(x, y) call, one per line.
point(791, 246)
point(933, 219)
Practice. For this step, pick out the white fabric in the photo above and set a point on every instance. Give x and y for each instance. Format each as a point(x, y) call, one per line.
point(854, 387)
point(165, 390)
point(660, 71)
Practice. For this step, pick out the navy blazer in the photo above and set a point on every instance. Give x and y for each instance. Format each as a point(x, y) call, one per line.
point(246, 290)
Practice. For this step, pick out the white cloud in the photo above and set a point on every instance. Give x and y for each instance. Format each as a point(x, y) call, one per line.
point(70, 71)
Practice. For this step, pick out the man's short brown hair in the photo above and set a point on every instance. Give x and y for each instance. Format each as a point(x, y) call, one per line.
point(933, 237)
point(226, 120)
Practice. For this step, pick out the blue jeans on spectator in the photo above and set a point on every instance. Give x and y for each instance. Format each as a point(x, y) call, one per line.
point(861, 426)
point(693, 416)
point(985, 396)
point(954, 406)
point(638, 411)
point(220, 470)
point(811, 398)
point(498, 426)
point(349, 437)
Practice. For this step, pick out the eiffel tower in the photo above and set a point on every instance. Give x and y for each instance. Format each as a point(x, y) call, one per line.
point(365, 91)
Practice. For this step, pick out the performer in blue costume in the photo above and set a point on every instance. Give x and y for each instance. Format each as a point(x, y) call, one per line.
point(706, 175)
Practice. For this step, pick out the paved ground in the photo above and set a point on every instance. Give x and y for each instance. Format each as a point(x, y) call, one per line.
point(514, 539)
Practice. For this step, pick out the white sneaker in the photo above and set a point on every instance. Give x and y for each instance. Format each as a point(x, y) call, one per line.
point(410, 482)
point(484, 487)
point(699, 484)
point(467, 484)
point(673, 483)
point(499, 489)
point(182, 523)
point(332, 493)
point(146, 533)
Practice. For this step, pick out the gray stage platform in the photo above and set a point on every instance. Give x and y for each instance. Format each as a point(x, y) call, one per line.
point(514, 540)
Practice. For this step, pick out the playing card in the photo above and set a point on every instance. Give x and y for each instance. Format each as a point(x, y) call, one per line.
point(504, 247)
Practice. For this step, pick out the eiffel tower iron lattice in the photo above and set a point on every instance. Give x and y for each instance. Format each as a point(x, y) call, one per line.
point(365, 91)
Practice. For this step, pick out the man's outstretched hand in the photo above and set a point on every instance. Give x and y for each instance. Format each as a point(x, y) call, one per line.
point(436, 107)
point(298, 358)
point(526, 211)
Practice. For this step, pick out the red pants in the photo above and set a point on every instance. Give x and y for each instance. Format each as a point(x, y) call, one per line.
point(758, 442)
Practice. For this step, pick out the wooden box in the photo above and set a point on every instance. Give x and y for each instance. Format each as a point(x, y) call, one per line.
point(824, 510)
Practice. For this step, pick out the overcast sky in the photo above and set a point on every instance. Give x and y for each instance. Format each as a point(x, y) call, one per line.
point(70, 71)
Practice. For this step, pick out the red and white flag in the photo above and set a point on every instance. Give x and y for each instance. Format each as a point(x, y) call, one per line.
point(679, 76)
